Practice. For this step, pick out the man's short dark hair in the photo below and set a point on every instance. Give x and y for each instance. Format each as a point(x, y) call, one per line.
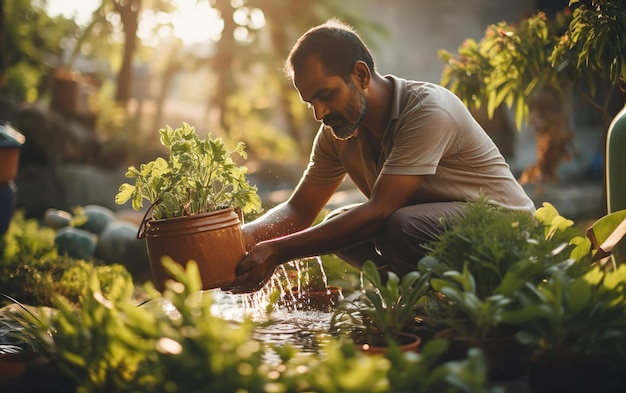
point(337, 45)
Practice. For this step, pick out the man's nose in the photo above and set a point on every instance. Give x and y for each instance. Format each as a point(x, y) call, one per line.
point(320, 111)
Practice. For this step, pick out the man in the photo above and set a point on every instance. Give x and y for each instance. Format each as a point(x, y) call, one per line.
point(412, 148)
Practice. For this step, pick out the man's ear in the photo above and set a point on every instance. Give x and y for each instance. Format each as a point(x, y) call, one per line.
point(361, 73)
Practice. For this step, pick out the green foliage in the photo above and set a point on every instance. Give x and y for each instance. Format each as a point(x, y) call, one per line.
point(550, 296)
point(33, 272)
point(199, 176)
point(480, 315)
point(89, 343)
point(487, 238)
point(25, 238)
point(108, 343)
point(584, 315)
point(487, 258)
point(505, 66)
point(595, 42)
point(196, 349)
point(512, 61)
point(383, 310)
point(23, 80)
point(426, 372)
point(602, 230)
point(28, 259)
point(341, 369)
point(491, 240)
point(32, 37)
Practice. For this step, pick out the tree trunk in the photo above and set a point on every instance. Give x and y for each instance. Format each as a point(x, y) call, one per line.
point(223, 62)
point(129, 14)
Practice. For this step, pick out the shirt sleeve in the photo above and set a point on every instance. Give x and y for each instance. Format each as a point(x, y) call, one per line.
point(324, 166)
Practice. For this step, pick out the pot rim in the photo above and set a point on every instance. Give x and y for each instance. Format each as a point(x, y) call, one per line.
point(230, 218)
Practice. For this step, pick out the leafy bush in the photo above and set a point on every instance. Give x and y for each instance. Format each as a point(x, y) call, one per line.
point(492, 242)
point(32, 271)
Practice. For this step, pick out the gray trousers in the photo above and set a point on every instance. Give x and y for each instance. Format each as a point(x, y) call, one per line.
point(399, 244)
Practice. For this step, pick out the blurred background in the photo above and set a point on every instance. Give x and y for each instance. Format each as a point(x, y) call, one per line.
point(90, 82)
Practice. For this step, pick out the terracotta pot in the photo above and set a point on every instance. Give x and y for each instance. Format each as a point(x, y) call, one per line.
point(9, 159)
point(214, 240)
point(316, 300)
point(10, 143)
point(407, 343)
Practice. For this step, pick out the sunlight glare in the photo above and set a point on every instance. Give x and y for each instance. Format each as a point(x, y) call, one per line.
point(80, 10)
point(196, 22)
point(192, 21)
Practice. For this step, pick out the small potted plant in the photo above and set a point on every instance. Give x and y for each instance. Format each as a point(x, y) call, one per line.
point(197, 197)
point(379, 315)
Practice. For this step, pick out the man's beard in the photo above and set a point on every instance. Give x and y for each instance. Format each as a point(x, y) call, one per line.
point(347, 129)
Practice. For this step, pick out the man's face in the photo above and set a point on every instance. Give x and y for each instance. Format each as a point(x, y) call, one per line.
point(339, 105)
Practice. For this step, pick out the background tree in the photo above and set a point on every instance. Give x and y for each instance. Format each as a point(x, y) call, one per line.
point(105, 24)
point(246, 45)
point(253, 101)
point(29, 47)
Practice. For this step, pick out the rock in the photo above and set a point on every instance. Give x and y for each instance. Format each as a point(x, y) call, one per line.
point(76, 243)
point(98, 218)
point(57, 219)
point(118, 243)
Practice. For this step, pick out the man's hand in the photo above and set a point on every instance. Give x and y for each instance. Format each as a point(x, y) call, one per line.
point(255, 269)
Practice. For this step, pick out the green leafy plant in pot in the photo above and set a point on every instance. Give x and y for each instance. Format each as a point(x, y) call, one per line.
point(198, 197)
point(379, 315)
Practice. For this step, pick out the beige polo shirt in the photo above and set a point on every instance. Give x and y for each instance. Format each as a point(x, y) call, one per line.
point(430, 133)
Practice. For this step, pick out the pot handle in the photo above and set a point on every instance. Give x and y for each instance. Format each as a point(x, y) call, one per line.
point(141, 232)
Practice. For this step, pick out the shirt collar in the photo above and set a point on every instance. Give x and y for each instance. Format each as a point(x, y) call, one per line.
point(399, 96)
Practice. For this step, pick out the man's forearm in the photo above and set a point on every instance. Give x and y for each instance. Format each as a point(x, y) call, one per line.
point(349, 228)
point(276, 222)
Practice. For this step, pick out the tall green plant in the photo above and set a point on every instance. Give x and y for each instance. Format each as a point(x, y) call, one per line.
point(532, 66)
point(513, 60)
point(505, 66)
point(595, 43)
